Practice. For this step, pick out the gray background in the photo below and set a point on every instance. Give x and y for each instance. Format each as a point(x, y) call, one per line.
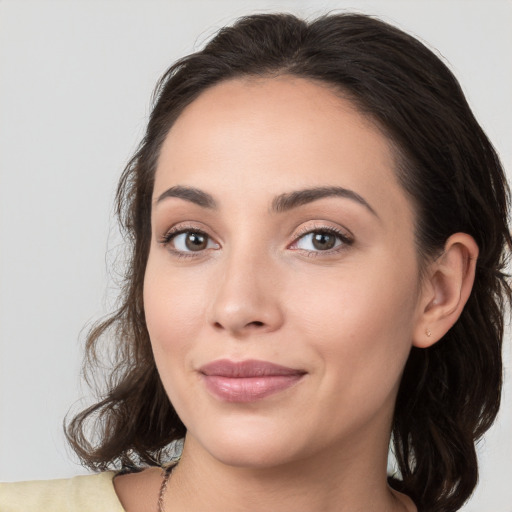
point(75, 85)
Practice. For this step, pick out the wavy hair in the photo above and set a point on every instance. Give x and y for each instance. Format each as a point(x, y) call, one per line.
point(449, 393)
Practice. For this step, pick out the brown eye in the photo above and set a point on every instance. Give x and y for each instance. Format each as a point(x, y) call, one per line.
point(189, 241)
point(323, 241)
point(195, 241)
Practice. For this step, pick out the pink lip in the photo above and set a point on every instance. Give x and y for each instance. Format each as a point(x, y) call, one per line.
point(247, 381)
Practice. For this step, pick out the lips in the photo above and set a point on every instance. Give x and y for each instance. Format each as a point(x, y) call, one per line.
point(247, 381)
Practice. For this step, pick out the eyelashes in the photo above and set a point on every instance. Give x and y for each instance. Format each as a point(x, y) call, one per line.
point(189, 241)
point(323, 239)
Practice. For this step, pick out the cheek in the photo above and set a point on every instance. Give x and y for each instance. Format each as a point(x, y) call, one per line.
point(361, 327)
point(173, 309)
point(174, 314)
point(351, 302)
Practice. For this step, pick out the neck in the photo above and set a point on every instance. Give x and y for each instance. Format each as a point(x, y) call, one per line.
point(346, 480)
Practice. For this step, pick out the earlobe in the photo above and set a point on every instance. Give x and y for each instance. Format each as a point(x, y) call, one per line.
point(446, 290)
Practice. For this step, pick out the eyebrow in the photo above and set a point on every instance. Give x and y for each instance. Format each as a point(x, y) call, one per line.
point(281, 203)
point(194, 195)
point(289, 200)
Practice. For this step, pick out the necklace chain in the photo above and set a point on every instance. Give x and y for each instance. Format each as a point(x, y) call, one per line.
point(166, 474)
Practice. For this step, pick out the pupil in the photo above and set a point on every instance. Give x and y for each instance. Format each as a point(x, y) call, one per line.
point(323, 241)
point(195, 242)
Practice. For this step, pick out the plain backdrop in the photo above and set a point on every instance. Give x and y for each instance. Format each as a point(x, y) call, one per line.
point(75, 84)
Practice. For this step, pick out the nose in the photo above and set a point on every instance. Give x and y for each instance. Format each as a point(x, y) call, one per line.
point(247, 297)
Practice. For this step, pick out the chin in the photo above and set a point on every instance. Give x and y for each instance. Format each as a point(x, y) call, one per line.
point(249, 448)
point(255, 457)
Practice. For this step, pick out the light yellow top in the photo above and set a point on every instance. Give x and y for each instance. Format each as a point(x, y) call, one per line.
point(89, 493)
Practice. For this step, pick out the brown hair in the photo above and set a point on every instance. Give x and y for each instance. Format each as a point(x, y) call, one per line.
point(450, 392)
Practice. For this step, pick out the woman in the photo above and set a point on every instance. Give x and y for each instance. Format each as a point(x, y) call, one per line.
point(319, 229)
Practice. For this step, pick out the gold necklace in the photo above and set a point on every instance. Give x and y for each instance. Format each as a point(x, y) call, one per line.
point(166, 474)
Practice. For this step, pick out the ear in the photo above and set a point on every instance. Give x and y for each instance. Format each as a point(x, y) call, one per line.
point(446, 289)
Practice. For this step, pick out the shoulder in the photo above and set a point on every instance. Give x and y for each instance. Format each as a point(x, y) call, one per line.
point(79, 494)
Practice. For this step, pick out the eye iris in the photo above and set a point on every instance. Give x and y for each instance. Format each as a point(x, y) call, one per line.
point(323, 241)
point(195, 241)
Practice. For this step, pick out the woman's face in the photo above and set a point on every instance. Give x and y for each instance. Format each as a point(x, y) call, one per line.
point(282, 287)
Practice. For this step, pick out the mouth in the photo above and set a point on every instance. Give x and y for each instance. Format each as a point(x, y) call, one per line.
point(247, 381)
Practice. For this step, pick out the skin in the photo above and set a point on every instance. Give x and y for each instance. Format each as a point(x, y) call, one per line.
point(260, 289)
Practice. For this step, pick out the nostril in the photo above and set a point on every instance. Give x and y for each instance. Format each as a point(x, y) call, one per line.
point(234, 327)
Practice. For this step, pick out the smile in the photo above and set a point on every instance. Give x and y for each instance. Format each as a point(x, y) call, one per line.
point(247, 381)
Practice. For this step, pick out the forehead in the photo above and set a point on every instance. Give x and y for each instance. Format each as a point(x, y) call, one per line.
point(273, 135)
